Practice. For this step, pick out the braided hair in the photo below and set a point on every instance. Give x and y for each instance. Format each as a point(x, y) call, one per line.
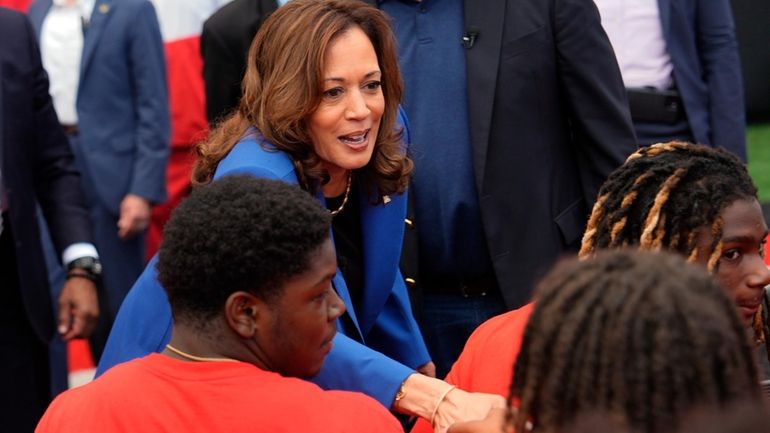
point(660, 198)
point(642, 336)
point(662, 195)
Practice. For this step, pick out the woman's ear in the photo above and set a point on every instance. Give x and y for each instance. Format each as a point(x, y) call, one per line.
point(243, 312)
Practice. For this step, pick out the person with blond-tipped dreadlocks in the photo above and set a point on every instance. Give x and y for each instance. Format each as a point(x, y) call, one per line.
point(690, 199)
point(644, 337)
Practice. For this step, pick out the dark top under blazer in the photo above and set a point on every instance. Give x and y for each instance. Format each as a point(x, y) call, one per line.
point(37, 164)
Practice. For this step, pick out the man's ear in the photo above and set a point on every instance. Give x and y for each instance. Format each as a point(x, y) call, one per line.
point(245, 313)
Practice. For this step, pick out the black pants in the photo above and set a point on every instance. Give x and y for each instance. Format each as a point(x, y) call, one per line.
point(25, 391)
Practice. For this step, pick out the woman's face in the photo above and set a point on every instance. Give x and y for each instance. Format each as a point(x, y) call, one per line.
point(741, 269)
point(344, 126)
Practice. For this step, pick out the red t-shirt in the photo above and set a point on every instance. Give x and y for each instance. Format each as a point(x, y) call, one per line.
point(161, 394)
point(486, 363)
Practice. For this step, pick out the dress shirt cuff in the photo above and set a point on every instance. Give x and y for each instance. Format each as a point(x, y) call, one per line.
point(78, 250)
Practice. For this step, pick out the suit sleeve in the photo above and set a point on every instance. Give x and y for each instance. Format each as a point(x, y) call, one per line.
point(148, 74)
point(351, 366)
point(718, 51)
point(594, 91)
point(222, 74)
point(57, 181)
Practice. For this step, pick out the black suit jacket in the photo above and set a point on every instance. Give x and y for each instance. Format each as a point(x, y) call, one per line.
point(549, 122)
point(225, 42)
point(37, 164)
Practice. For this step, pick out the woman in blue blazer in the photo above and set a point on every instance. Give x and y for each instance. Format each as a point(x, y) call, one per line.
point(319, 109)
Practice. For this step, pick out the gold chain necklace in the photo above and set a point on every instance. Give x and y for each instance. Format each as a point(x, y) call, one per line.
point(197, 358)
point(344, 199)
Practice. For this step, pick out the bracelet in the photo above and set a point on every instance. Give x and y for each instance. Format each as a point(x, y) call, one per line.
point(87, 276)
point(400, 394)
point(438, 403)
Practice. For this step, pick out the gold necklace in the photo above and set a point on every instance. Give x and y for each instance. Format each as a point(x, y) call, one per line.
point(197, 358)
point(344, 199)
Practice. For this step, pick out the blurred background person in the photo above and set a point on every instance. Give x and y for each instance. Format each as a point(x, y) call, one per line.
point(681, 69)
point(36, 166)
point(108, 83)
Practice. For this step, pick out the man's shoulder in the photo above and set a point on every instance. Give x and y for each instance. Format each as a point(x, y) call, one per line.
point(231, 17)
point(14, 31)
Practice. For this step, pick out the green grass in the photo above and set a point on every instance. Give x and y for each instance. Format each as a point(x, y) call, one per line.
point(758, 137)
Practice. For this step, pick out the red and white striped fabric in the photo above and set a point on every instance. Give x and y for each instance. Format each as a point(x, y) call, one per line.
point(181, 22)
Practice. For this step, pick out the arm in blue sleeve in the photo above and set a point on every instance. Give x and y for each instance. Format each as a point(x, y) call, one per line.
point(352, 366)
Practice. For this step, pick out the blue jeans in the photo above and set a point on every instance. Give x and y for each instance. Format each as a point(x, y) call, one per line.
point(449, 319)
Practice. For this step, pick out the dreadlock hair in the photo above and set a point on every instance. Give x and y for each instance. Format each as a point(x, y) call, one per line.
point(641, 336)
point(662, 195)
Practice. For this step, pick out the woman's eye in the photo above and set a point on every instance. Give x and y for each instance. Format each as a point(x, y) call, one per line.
point(332, 93)
point(731, 254)
point(373, 85)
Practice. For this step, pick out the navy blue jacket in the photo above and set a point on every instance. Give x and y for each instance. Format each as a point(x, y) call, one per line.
point(700, 38)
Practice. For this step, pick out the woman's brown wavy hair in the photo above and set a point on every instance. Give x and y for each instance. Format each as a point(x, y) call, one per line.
point(283, 87)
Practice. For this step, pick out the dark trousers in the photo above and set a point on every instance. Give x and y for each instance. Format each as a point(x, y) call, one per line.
point(25, 392)
point(447, 320)
point(648, 133)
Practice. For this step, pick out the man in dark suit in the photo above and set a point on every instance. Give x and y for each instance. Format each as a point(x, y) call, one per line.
point(117, 118)
point(680, 62)
point(518, 113)
point(36, 165)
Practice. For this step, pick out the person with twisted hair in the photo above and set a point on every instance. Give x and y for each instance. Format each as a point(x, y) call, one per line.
point(320, 110)
point(690, 199)
point(642, 336)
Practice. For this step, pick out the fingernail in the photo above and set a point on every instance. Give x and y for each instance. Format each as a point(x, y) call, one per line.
point(62, 329)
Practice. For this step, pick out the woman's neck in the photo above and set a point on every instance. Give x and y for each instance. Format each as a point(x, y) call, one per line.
point(338, 183)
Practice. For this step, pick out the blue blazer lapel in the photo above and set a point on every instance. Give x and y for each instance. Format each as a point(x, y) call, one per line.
point(383, 233)
point(37, 12)
point(102, 10)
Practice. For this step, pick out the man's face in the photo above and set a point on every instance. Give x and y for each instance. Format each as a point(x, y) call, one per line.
point(741, 269)
point(301, 320)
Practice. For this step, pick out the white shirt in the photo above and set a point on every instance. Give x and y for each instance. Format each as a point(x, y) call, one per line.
point(636, 34)
point(61, 47)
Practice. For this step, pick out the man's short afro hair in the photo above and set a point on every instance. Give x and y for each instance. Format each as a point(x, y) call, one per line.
point(237, 233)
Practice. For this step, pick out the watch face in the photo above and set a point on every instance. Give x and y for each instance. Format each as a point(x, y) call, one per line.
point(90, 264)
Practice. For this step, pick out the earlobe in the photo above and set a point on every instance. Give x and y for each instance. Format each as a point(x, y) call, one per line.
point(242, 311)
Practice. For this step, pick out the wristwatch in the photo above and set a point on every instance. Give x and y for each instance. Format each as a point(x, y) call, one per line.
point(91, 267)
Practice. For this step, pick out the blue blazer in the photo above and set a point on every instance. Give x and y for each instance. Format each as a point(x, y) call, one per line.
point(700, 37)
point(384, 322)
point(122, 101)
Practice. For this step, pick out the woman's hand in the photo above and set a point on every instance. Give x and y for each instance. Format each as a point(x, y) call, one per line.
point(493, 423)
point(462, 406)
point(439, 402)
